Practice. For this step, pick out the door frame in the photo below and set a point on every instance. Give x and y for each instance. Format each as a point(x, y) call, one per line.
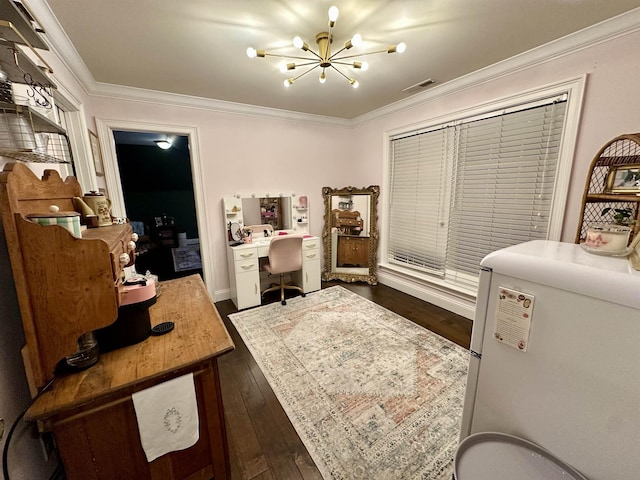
point(105, 128)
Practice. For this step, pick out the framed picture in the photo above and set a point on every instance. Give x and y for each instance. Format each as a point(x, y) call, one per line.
point(95, 151)
point(623, 179)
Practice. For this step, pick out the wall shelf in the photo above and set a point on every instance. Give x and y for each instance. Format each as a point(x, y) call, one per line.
point(17, 27)
point(621, 153)
point(27, 136)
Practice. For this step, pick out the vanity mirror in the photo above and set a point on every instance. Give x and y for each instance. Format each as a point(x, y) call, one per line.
point(350, 234)
point(274, 211)
point(282, 212)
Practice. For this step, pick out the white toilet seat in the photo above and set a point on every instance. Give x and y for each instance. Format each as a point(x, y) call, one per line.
point(499, 456)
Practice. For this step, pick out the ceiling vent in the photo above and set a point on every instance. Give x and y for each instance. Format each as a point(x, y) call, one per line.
point(419, 86)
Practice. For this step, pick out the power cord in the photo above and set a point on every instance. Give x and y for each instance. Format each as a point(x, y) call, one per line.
point(5, 451)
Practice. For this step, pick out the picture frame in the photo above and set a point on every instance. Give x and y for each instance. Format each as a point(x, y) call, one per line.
point(97, 155)
point(623, 179)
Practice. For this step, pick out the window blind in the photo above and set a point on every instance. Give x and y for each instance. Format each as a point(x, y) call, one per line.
point(462, 191)
point(418, 180)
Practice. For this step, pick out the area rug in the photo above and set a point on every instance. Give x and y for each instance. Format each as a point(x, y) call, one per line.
point(371, 394)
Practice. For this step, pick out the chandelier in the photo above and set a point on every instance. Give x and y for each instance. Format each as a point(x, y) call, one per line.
point(323, 58)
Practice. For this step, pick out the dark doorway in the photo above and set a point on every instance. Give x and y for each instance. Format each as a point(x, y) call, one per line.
point(157, 187)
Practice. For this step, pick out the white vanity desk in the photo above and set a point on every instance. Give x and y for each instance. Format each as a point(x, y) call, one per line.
point(245, 276)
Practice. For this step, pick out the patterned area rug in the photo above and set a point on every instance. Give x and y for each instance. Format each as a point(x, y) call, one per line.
point(371, 394)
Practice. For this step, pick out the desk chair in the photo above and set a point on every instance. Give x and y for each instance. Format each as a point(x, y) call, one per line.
point(285, 255)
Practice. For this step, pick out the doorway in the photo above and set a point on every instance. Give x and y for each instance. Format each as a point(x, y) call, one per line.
point(106, 132)
point(157, 186)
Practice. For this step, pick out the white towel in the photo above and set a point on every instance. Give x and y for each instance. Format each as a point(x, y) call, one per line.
point(167, 416)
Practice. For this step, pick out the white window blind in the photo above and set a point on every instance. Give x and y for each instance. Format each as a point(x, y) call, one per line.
point(460, 192)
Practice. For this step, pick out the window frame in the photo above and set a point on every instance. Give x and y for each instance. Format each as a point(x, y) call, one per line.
point(573, 88)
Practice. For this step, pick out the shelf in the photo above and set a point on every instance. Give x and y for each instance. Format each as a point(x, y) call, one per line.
point(9, 54)
point(39, 123)
point(612, 197)
point(28, 136)
point(17, 28)
point(623, 151)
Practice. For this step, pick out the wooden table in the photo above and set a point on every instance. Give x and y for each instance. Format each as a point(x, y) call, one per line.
point(91, 413)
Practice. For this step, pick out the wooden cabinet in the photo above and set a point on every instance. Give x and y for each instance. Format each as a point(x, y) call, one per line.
point(353, 251)
point(66, 286)
point(347, 222)
point(607, 195)
point(91, 413)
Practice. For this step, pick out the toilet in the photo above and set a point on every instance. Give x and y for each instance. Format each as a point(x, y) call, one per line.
point(499, 456)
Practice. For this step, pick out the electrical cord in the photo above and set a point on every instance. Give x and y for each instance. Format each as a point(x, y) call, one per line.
point(5, 451)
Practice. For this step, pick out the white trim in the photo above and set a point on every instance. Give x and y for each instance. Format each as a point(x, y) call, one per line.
point(108, 90)
point(458, 304)
point(430, 290)
point(105, 131)
point(621, 25)
point(624, 24)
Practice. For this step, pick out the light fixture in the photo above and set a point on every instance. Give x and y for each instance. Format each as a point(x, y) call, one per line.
point(323, 58)
point(163, 144)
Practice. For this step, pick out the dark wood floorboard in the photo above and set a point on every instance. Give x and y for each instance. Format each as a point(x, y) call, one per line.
point(263, 444)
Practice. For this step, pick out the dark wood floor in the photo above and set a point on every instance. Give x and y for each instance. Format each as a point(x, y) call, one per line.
point(262, 442)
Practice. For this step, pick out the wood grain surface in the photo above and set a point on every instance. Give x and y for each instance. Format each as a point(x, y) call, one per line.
point(199, 335)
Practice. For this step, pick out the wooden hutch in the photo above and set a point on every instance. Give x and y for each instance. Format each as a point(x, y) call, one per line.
point(67, 286)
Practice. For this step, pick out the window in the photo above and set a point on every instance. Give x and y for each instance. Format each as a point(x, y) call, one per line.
point(461, 190)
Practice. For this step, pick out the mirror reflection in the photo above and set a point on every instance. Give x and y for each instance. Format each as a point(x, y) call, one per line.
point(350, 235)
point(274, 211)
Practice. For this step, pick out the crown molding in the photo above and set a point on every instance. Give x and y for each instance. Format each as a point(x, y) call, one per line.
point(109, 90)
point(62, 47)
point(616, 27)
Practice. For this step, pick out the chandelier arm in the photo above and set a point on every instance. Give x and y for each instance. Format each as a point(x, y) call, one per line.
point(360, 54)
point(348, 64)
point(348, 79)
point(304, 73)
point(337, 53)
point(312, 62)
point(316, 54)
point(288, 56)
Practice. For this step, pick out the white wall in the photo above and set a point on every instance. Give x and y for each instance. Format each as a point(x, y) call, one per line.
point(245, 153)
point(610, 108)
point(250, 154)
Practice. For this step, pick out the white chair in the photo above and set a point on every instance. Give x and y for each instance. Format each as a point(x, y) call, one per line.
point(285, 256)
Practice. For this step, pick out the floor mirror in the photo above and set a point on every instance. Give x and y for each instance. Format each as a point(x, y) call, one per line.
point(350, 234)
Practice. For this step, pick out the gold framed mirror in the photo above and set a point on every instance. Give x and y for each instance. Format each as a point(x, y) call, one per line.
point(350, 234)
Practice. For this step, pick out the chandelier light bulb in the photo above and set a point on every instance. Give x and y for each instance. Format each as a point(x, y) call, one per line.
point(333, 14)
point(323, 57)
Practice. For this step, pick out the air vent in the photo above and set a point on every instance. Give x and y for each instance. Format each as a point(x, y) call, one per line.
point(419, 86)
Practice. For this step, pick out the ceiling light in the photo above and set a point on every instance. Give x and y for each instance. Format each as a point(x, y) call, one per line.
point(163, 144)
point(323, 58)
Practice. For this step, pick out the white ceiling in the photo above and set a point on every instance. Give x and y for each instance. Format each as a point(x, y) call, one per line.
point(197, 47)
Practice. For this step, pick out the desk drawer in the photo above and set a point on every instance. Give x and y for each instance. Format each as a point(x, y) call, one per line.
point(246, 265)
point(245, 254)
point(313, 244)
